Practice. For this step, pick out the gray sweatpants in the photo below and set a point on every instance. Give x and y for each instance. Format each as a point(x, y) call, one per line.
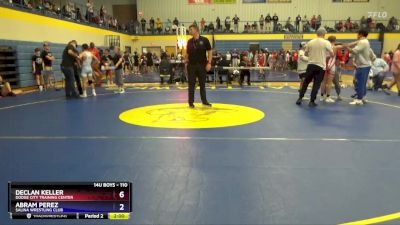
point(119, 81)
point(336, 81)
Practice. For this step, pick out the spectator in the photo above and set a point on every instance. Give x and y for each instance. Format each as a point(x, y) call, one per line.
point(298, 20)
point(202, 25)
point(150, 63)
point(5, 88)
point(236, 23)
point(106, 62)
point(174, 28)
point(305, 24)
point(340, 27)
point(37, 68)
point(127, 63)
point(369, 23)
point(246, 62)
point(247, 27)
point(48, 59)
point(393, 24)
point(118, 61)
point(151, 23)
point(218, 21)
point(89, 11)
point(268, 23)
point(165, 69)
point(73, 10)
point(348, 25)
point(168, 26)
point(132, 27)
point(318, 22)
point(254, 27)
point(103, 12)
point(143, 22)
point(395, 69)
point(79, 15)
point(261, 20)
point(314, 22)
point(176, 22)
point(363, 23)
point(159, 25)
point(228, 24)
point(289, 26)
point(275, 19)
point(211, 27)
point(136, 63)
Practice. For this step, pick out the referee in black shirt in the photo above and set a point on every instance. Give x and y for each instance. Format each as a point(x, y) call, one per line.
point(198, 64)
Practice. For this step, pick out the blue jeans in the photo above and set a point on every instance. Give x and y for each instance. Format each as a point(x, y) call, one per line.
point(362, 78)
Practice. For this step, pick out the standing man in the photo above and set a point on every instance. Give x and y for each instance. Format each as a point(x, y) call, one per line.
point(268, 23)
point(298, 21)
point(48, 59)
point(69, 57)
point(363, 57)
point(261, 20)
point(275, 19)
point(317, 50)
point(198, 64)
point(236, 23)
point(143, 22)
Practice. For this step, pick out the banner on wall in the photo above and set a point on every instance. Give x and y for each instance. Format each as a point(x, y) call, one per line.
point(254, 1)
point(224, 1)
point(200, 1)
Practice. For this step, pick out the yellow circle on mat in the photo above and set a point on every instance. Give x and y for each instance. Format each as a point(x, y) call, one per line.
point(180, 116)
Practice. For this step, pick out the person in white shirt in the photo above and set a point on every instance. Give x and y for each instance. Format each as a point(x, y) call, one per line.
point(302, 63)
point(317, 51)
point(363, 57)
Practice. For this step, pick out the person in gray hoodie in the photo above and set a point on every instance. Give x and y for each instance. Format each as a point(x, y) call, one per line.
point(363, 58)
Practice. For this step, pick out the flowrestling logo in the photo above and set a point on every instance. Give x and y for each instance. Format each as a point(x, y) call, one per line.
point(379, 15)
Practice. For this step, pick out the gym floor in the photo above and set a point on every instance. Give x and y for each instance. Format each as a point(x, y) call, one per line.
point(296, 165)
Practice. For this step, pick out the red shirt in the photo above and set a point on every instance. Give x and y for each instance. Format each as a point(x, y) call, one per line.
point(261, 60)
point(95, 52)
point(295, 56)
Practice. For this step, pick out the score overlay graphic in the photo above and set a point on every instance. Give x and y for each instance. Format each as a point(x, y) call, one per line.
point(70, 200)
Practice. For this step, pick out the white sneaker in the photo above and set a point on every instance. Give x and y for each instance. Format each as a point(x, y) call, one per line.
point(329, 100)
point(94, 93)
point(322, 99)
point(357, 102)
point(364, 100)
point(122, 91)
point(40, 88)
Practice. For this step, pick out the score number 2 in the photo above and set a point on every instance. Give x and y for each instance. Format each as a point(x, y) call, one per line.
point(121, 195)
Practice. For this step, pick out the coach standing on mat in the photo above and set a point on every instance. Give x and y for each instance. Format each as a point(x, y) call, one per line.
point(69, 57)
point(198, 64)
point(317, 50)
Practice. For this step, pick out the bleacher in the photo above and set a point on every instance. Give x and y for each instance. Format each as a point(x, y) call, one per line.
point(25, 51)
